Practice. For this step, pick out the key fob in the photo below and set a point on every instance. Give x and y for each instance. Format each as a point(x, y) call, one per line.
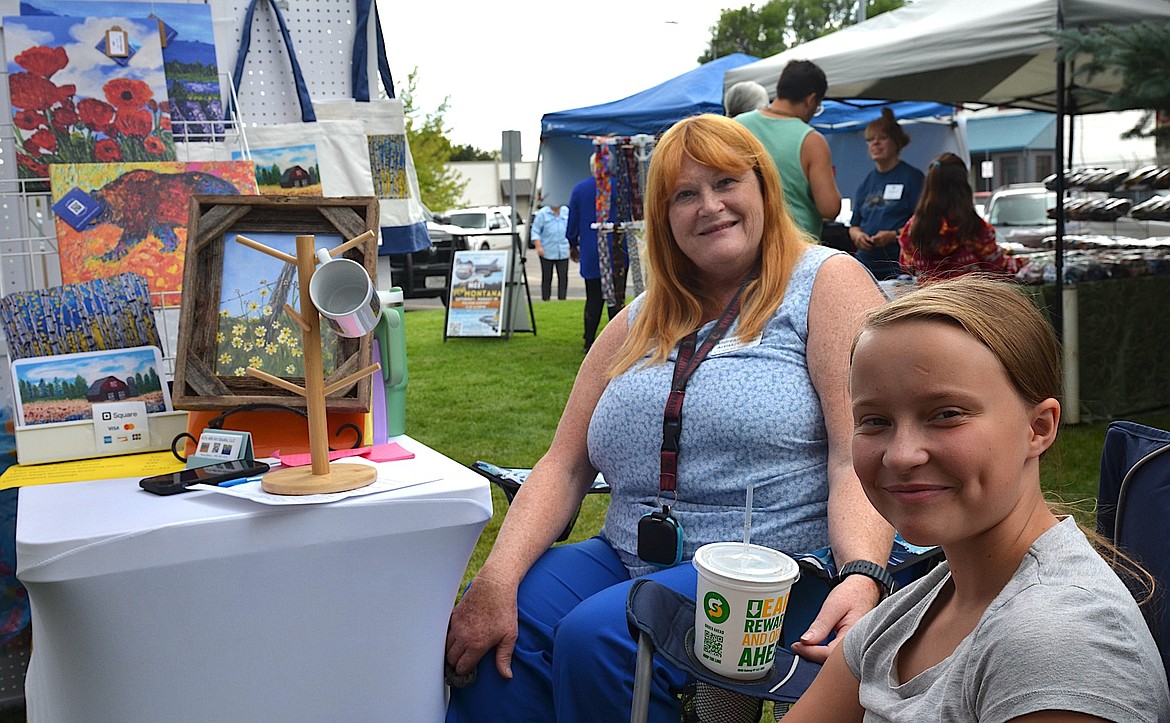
point(660, 538)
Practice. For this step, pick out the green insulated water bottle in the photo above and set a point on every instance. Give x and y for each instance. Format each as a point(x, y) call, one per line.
point(391, 333)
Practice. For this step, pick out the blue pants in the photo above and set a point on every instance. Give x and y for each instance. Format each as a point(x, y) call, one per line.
point(574, 658)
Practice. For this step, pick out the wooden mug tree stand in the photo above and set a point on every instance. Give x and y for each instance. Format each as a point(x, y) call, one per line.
point(320, 477)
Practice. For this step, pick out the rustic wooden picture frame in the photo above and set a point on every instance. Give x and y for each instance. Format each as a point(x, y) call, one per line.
point(196, 386)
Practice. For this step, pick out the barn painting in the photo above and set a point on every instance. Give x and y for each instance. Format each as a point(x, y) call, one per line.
point(109, 389)
point(64, 387)
point(286, 170)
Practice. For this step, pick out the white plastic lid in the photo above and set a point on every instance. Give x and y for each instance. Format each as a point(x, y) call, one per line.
point(752, 563)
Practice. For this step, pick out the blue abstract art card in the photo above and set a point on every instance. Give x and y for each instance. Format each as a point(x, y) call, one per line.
point(109, 313)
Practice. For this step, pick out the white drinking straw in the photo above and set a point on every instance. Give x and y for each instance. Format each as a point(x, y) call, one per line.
point(747, 520)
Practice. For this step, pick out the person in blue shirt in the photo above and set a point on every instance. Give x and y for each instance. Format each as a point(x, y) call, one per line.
point(583, 249)
point(885, 200)
point(548, 236)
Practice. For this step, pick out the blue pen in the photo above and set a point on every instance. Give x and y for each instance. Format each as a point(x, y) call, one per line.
point(242, 480)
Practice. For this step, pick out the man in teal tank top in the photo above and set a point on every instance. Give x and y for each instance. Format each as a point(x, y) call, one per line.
point(801, 154)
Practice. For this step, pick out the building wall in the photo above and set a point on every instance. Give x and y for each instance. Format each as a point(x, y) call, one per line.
point(1096, 143)
point(1024, 166)
point(484, 187)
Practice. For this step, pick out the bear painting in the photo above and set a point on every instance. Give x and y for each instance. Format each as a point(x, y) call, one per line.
point(142, 226)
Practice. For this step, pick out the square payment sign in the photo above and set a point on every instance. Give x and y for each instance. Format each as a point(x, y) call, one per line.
point(120, 426)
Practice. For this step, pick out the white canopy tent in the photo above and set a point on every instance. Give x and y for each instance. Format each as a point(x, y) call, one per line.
point(993, 52)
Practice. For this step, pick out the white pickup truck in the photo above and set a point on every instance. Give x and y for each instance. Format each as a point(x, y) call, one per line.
point(490, 226)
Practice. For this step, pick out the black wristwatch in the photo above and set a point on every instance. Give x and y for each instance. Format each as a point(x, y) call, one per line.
point(873, 571)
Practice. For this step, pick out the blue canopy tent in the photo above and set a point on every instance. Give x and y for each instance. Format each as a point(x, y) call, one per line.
point(566, 136)
point(565, 143)
point(652, 111)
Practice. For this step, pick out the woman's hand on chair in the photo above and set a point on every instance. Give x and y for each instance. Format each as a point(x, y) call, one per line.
point(850, 599)
point(484, 618)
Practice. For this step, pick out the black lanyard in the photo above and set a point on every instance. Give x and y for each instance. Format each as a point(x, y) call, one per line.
point(685, 364)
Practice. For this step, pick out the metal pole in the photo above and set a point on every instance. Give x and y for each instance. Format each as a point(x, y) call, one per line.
point(643, 670)
point(1058, 308)
point(532, 209)
point(511, 147)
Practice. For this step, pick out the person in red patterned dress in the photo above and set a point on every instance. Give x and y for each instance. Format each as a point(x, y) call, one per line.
point(946, 237)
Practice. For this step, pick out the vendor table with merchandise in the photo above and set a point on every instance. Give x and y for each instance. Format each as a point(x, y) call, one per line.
point(200, 606)
point(1117, 359)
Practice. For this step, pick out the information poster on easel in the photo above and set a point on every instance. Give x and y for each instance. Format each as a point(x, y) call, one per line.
point(475, 306)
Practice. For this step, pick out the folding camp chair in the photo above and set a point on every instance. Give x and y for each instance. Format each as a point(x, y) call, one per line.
point(509, 479)
point(663, 620)
point(1133, 504)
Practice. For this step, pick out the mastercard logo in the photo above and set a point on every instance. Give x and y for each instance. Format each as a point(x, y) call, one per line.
point(128, 426)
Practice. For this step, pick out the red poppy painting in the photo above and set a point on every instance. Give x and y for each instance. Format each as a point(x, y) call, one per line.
point(72, 103)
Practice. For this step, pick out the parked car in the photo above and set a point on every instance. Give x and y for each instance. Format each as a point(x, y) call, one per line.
point(425, 274)
point(490, 226)
point(1020, 214)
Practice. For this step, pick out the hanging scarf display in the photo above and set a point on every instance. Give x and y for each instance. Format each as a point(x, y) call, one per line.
point(602, 175)
point(623, 194)
point(630, 154)
point(643, 146)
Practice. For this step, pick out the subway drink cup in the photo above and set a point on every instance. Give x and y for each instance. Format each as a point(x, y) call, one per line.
point(741, 597)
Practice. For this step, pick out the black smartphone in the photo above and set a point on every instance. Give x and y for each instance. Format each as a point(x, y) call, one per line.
point(176, 482)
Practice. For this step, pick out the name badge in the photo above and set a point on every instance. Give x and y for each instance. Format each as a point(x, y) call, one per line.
point(893, 192)
point(731, 344)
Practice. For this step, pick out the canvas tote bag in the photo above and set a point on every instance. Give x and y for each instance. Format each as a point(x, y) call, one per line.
point(339, 145)
point(395, 181)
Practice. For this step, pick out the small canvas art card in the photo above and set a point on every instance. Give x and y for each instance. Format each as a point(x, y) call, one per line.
point(143, 223)
point(64, 388)
point(74, 103)
point(187, 36)
point(292, 170)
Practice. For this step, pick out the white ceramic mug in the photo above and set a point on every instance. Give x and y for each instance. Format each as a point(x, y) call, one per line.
point(344, 294)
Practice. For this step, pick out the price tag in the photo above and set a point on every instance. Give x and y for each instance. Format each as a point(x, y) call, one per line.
point(117, 43)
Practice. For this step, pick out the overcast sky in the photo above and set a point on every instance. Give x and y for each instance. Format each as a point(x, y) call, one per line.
point(504, 65)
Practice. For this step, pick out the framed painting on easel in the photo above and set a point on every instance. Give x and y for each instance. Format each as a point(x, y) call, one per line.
point(234, 298)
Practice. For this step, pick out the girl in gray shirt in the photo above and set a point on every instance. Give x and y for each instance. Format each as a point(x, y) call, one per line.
point(954, 392)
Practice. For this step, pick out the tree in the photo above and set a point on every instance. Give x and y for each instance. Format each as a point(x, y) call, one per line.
point(781, 24)
point(1140, 54)
point(471, 153)
point(441, 186)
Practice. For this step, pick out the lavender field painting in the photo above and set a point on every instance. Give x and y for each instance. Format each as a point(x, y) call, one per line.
point(196, 103)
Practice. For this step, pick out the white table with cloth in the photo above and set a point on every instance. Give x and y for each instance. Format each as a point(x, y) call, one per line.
point(204, 607)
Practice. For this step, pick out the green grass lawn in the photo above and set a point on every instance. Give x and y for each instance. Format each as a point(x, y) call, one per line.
point(499, 401)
